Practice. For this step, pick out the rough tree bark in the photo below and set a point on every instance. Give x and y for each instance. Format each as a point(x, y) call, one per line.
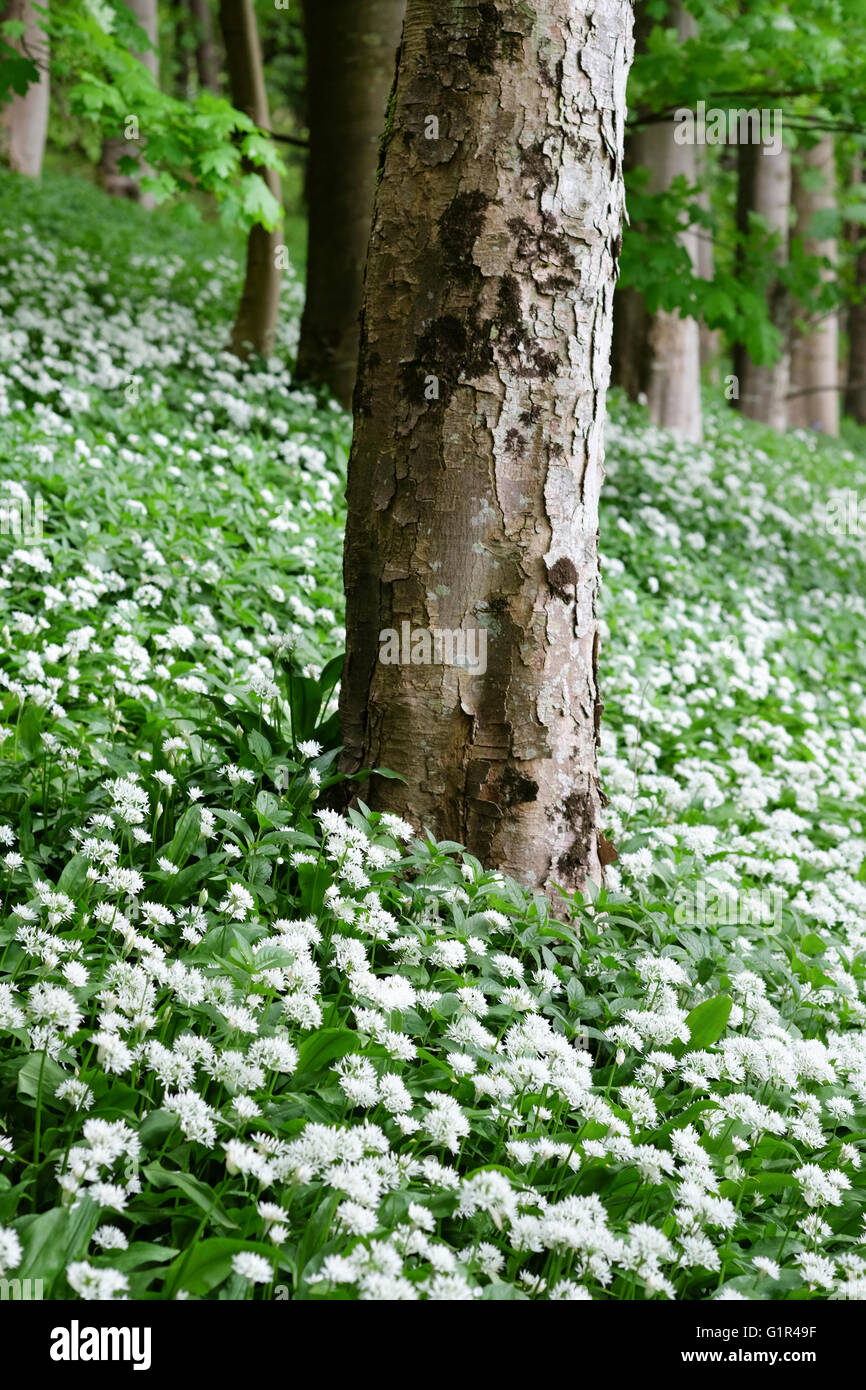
point(764, 187)
point(350, 69)
point(259, 308)
point(207, 63)
point(814, 399)
point(115, 147)
point(24, 120)
point(477, 458)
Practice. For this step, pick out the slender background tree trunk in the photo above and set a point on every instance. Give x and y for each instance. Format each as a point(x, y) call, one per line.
point(181, 50)
point(259, 308)
point(207, 62)
point(24, 120)
point(351, 46)
point(479, 412)
point(660, 354)
point(814, 403)
point(630, 352)
point(711, 338)
point(765, 188)
point(115, 148)
point(674, 388)
point(855, 393)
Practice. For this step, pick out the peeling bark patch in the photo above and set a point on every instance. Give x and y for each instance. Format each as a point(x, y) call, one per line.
point(607, 852)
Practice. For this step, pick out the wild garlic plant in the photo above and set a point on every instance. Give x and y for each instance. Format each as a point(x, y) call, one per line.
point(254, 1048)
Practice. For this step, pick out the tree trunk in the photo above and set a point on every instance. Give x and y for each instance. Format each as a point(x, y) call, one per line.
point(257, 315)
point(181, 54)
point(207, 63)
point(710, 338)
point(814, 399)
point(855, 392)
point(764, 187)
point(665, 360)
point(630, 350)
point(477, 458)
point(350, 69)
point(631, 361)
point(674, 389)
point(24, 120)
point(115, 148)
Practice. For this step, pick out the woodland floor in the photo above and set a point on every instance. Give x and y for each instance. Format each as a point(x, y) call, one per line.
point(252, 1051)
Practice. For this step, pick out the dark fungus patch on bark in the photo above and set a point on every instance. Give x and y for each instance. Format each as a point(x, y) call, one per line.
point(562, 578)
point(460, 227)
point(449, 348)
point(579, 814)
point(550, 80)
point(515, 340)
point(494, 38)
point(491, 40)
point(454, 346)
point(536, 167)
point(517, 787)
point(515, 443)
point(544, 241)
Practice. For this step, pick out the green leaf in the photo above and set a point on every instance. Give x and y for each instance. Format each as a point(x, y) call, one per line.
point(222, 160)
point(29, 1073)
point(324, 1047)
point(209, 1264)
point(142, 1253)
point(83, 1220)
point(197, 1192)
point(43, 1243)
point(259, 746)
point(74, 876)
point(186, 837)
point(180, 884)
point(258, 202)
point(812, 945)
point(260, 149)
point(708, 1021)
point(268, 807)
point(154, 1129)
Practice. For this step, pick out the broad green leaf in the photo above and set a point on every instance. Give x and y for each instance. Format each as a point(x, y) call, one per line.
point(708, 1021)
point(197, 1192)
